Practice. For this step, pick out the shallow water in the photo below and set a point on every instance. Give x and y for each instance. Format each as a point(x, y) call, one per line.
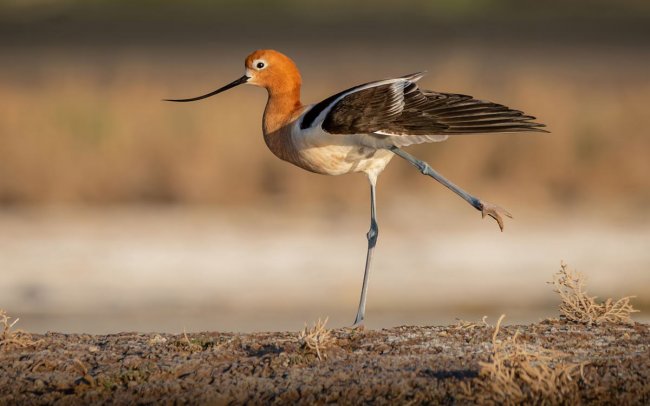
point(166, 269)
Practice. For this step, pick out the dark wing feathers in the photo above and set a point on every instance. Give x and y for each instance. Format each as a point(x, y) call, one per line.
point(408, 111)
point(368, 109)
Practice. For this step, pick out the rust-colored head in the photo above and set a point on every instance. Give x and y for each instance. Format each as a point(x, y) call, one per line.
point(266, 68)
point(272, 70)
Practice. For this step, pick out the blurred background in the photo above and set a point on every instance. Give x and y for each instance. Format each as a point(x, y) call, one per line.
point(121, 212)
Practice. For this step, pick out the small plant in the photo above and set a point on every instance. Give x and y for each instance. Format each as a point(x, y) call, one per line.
point(190, 345)
point(158, 339)
point(519, 373)
point(316, 338)
point(577, 306)
point(197, 343)
point(10, 337)
point(468, 325)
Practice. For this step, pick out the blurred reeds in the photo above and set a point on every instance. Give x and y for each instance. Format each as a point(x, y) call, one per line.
point(92, 129)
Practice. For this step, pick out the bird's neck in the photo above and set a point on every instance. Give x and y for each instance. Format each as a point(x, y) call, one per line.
point(281, 107)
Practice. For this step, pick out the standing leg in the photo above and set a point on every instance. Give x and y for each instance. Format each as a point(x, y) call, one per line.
point(486, 209)
point(372, 241)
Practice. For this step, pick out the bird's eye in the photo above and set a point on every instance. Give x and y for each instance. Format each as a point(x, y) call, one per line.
point(260, 65)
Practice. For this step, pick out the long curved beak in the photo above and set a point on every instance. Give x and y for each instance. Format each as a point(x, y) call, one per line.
point(237, 82)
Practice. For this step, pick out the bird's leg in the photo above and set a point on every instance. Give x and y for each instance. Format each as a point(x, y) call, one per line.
point(486, 209)
point(372, 235)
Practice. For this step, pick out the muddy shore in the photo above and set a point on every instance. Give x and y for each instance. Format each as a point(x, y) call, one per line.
point(399, 365)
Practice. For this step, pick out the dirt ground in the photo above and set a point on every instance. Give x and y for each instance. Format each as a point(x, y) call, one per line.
point(414, 365)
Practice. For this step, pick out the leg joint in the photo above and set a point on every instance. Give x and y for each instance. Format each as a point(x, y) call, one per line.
point(373, 233)
point(423, 167)
point(478, 205)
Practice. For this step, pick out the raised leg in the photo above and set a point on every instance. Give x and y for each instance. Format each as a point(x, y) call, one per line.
point(372, 235)
point(486, 209)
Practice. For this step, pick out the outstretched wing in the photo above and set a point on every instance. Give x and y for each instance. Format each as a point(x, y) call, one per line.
point(367, 111)
point(367, 106)
point(417, 116)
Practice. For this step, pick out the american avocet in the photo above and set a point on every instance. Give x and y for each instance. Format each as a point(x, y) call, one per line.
point(362, 128)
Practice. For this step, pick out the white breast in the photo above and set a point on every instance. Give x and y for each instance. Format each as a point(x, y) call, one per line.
point(337, 154)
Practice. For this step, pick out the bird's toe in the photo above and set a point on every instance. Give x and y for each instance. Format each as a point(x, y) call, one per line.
point(494, 211)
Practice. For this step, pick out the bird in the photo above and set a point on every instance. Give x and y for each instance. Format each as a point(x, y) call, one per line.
point(362, 128)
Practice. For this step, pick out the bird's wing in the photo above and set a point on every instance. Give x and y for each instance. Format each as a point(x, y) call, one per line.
point(416, 116)
point(365, 107)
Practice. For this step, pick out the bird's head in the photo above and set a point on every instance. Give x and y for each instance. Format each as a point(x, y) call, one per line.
point(266, 68)
point(271, 70)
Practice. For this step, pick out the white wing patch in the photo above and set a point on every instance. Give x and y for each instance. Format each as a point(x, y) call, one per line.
point(404, 139)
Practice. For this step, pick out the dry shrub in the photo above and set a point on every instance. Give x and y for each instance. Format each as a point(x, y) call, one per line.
point(577, 306)
point(521, 373)
point(316, 338)
point(10, 338)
